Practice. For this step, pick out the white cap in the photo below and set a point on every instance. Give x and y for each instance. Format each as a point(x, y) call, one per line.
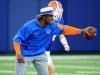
point(46, 10)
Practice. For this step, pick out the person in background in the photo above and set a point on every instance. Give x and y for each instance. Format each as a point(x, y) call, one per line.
point(58, 13)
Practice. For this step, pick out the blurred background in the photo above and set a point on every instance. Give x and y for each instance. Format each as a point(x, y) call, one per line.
point(79, 13)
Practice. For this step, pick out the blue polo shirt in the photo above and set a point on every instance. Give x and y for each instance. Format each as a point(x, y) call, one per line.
point(34, 39)
point(49, 46)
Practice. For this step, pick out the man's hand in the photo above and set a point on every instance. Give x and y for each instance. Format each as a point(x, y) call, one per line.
point(89, 32)
point(20, 59)
point(66, 47)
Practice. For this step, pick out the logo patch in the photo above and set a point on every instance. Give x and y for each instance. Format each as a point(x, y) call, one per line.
point(48, 31)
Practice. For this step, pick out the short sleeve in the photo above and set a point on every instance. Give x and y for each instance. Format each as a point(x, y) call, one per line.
point(22, 34)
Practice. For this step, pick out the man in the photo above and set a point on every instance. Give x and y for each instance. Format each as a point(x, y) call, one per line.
point(58, 13)
point(33, 38)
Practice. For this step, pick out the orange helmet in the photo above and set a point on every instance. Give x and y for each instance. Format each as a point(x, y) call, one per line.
point(58, 9)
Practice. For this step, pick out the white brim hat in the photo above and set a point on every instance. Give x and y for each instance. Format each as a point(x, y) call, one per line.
point(46, 10)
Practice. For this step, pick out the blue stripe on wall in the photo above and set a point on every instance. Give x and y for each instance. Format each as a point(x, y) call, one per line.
point(4, 7)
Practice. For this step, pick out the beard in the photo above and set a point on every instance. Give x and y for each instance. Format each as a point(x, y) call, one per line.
point(48, 21)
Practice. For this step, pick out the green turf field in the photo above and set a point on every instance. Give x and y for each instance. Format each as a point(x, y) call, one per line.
point(65, 65)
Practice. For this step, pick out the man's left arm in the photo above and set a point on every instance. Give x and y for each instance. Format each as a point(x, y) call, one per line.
point(64, 42)
point(88, 32)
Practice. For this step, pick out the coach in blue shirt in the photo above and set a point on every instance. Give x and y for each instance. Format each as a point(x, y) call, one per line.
point(31, 41)
point(33, 38)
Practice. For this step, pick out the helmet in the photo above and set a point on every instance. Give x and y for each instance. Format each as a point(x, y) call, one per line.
point(58, 9)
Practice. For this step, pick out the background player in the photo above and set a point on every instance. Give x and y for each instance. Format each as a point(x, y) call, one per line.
point(58, 13)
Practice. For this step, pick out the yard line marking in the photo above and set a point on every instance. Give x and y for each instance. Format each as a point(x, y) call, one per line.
point(57, 57)
point(58, 62)
point(10, 72)
point(88, 72)
point(76, 57)
point(78, 67)
point(63, 66)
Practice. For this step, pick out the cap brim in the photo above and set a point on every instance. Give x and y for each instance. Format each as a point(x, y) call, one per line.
point(44, 14)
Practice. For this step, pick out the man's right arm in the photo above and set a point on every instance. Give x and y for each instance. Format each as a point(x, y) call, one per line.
point(18, 52)
point(17, 48)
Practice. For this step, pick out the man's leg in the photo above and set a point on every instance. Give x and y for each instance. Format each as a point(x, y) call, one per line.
point(41, 65)
point(20, 68)
point(51, 67)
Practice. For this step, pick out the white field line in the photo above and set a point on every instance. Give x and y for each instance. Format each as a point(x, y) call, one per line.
point(65, 61)
point(78, 67)
point(9, 71)
point(7, 57)
point(77, 72)
point(63, 66)
point(12, 72)
point(76, 57)
point(59, 57)
point(88, 72)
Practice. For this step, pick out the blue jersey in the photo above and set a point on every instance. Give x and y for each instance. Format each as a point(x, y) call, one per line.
point(61, 21)
point(34, 39)
point(49, 46)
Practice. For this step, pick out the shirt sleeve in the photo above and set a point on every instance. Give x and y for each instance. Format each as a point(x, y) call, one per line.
point(56, 30)
point(22, 34)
